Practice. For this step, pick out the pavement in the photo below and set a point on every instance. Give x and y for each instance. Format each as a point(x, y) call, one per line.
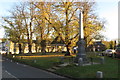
point(14, 70)
point(0, 67)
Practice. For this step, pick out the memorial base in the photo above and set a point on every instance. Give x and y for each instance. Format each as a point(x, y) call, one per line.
point(81, 52)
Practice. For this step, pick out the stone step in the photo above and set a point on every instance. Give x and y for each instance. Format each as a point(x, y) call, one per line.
point(55, 68)
point(63, 65)
point(50, 69)
point(87, 64)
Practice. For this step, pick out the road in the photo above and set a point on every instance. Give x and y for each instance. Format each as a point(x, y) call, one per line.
point(18, 71)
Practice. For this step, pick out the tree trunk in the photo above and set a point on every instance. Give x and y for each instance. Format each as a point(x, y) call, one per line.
point(23, 47)
point(36, 48)
point(30, 46)
point(20, 49)
point(68, 50)
point(52, 49)
point(43, 50)
point(14, 48)
point(43, 46)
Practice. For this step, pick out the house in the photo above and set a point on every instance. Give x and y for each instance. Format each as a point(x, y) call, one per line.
point(57, 45)
point(13, 47)
point(96, 46)
point(3, 48)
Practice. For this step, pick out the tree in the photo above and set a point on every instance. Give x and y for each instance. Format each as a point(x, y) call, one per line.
point(106, 43)
point(46, 21)
point(92, 24)
point(62, 22)
point(42, 27)
point(27, 16)
point(21, 24)
point(112, 44)
point(66, 20)
point(15, 30)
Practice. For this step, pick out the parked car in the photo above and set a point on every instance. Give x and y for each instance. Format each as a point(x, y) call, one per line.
point(117, 53)
point(109, 52)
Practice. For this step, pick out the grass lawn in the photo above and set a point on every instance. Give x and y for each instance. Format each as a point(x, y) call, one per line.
point(109, 69)
point(42, 62)
point(36, 54)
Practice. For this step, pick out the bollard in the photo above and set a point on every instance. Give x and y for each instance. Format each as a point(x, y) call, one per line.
point(61, 59)
point(91, 59)
point(34, 61)
point(102, 60)
point(13, 56)
point(99, 74)
point(80, 61)
point(113, 55)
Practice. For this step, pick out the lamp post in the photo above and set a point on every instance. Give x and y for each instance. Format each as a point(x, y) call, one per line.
point(81, 43)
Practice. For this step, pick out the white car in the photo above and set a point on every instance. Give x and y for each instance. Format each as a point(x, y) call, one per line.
point(109, 52)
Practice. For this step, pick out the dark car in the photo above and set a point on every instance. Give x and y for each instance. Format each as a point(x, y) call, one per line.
point(117, 54)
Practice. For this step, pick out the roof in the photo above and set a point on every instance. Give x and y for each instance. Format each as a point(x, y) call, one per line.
point(58, 40)
point(98, 43)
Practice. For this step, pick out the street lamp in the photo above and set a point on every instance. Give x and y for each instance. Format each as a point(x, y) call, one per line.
point(81, 43)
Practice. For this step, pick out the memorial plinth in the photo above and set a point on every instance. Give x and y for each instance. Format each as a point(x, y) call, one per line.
point(81, 43)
